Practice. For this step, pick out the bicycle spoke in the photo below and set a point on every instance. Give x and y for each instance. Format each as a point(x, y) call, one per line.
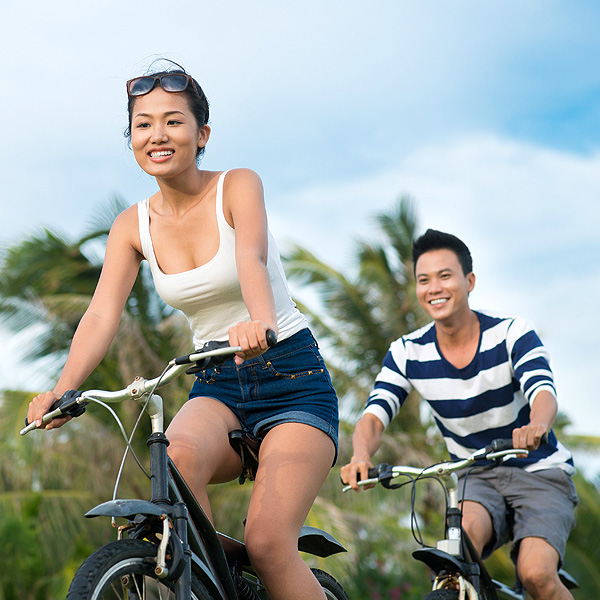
point(116, 591)
point(137, 589)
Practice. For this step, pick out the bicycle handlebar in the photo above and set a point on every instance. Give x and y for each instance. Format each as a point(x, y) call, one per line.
point(73, 402)
point(499, 448)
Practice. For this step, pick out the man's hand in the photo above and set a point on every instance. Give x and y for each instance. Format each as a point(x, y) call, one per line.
point(529, 436)
point(365, 443)
point(543, 413)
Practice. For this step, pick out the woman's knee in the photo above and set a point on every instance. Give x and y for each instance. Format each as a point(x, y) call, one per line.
point(269, 546)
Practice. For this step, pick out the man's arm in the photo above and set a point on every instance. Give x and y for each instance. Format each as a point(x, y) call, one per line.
point(541, 419)
point(365, 442)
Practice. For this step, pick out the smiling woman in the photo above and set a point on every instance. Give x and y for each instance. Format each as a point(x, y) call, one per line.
point(211, 254)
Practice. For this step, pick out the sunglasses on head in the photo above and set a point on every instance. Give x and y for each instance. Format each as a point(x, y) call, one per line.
point(169, 82)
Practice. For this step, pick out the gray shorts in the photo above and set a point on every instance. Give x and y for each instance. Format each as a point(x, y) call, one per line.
point(523, 504)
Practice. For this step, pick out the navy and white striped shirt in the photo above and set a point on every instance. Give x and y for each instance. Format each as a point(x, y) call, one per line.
point(485, 400)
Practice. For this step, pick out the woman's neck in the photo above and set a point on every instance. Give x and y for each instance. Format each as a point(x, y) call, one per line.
point(179, 195)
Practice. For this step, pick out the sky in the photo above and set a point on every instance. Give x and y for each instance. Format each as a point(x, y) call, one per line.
point(487, 114)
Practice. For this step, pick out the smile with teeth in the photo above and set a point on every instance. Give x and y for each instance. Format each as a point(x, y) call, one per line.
point(159, 153)
point(438, 301)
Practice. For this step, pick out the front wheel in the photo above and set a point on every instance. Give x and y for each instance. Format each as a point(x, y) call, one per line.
point(442, 595)
point(124, 570)
point(333, 590)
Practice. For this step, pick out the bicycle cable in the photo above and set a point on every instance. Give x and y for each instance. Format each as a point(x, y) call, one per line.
point(414, 523)
point(128, 447)
point(123, 432)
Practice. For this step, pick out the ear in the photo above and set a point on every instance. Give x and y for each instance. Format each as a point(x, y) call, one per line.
point(471, 281)
point(203, 136)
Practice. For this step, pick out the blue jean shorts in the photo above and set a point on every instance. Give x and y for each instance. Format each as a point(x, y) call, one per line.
point(289, 383)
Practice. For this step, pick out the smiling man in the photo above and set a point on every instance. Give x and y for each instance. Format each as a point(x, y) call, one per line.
point(485, 376)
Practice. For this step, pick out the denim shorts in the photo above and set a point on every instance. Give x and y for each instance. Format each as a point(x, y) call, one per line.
point(289, 383)
point(525, 504)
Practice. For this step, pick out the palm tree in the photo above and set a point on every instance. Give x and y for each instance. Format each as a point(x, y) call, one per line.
point(46, 285)
point(356, 317)
point(47, 481)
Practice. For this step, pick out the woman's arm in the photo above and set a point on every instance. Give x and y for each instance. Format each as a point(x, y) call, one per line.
point(244, 209)
point(100, 322)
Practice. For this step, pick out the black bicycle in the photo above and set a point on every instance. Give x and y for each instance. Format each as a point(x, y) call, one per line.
point(458, 572)
point(168, 548)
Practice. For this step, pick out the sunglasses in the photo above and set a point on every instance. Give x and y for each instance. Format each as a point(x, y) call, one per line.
point(171, 82)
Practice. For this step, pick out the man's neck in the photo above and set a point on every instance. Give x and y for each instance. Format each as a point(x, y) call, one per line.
point(458, 340)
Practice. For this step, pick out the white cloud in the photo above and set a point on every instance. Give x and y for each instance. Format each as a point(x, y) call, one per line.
point(530, 216)
point(342, 106)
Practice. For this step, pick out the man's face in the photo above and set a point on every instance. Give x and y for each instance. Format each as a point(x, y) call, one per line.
point(442, 287)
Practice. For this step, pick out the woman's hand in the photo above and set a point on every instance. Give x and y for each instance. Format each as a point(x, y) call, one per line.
point(40, 406)
point(349, 473)
point(252, 337)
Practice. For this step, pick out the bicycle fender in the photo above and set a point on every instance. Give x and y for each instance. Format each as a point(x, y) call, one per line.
point(127, 509)
point(318, 542)
point(568, 580)
point(437, 560)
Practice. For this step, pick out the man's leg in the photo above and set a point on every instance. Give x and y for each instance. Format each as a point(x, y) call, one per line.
point(537, 566)
point(477, 522)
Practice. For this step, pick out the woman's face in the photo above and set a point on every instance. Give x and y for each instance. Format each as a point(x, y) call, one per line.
point(165, 136)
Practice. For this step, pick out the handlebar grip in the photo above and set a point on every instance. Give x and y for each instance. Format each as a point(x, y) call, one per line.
point(501, 444)
point(214, 345)
point(376, 471)
point(507, 444)
point(67, 404)
point(271, 338)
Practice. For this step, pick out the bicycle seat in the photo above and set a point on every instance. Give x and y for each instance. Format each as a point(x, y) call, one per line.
point(247, 446)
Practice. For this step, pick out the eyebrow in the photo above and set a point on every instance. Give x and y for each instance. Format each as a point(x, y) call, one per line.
point(167, 114)
point(444, 270)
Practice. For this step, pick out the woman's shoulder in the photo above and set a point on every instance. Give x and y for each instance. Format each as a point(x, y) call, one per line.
point(126, 226)
point(127, 218)
point(241, 177)
point(242, 192)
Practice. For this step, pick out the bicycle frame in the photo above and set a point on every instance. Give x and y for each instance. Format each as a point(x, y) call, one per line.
point(454, 561)
point(185, 537)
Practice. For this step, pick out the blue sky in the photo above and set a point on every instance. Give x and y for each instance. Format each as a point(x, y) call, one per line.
point(486, 113)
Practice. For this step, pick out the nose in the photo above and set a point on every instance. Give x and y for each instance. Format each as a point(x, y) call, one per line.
point(434, 286)
point(159, 134)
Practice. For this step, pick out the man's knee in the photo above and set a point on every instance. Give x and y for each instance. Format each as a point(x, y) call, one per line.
point(541, 581)
point(537, 566)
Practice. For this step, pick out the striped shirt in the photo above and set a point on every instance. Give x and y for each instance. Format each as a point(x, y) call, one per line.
point(483, 401)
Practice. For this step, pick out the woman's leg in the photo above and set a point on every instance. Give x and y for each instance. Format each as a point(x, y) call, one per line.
point(199, 446)
point(294, 461)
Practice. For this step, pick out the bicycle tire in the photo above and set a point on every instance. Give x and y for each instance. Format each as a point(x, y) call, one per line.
point(333, 590)
point(112, 570)
point(442, 595)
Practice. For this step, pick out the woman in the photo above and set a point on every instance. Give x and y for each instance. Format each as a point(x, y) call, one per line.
point(206, 238)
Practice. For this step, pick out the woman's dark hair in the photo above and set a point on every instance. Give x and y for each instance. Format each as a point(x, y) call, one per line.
point(438, 240)
point(197, 100)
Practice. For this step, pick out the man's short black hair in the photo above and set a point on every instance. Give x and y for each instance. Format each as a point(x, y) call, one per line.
point(438, 240)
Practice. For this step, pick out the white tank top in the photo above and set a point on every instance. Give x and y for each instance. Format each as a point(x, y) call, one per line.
point(210, 295)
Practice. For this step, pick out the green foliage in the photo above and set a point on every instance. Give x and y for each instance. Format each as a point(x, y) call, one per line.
point(49, 480)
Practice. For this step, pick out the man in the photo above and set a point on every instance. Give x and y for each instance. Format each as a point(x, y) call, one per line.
point(485, 377)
